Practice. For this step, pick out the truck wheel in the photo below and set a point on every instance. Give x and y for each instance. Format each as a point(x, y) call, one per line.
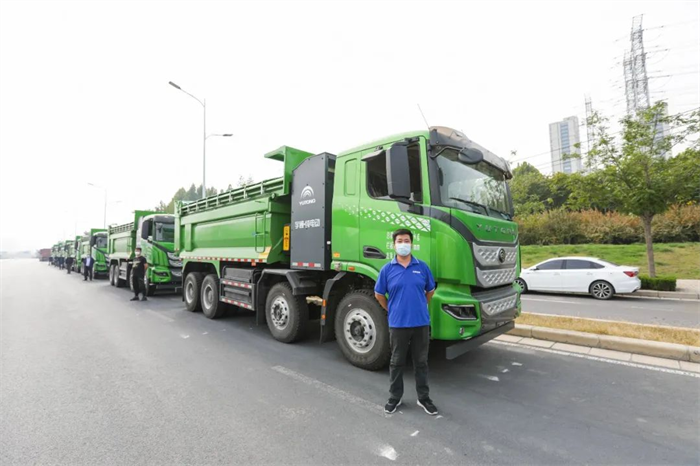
point(211, 306)
point(192, 290)
point(362, 330)
point(287, 315)
point(121, 283)
point(130, 280)
point(112, 281)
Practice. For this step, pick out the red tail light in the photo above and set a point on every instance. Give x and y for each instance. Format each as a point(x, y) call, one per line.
point(631, 274)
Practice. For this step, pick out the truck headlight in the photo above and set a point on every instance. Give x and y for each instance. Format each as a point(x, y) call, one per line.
point(461, 311)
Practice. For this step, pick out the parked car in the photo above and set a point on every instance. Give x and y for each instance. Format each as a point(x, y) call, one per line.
point(599, 278)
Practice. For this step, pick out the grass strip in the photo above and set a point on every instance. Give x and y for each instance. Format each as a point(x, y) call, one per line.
point(678, 335)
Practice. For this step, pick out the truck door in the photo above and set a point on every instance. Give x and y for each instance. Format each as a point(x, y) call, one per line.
point(380, 215)
point(346, 199)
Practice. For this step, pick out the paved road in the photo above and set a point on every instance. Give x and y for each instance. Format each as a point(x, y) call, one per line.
point(641, 310)
point(91, 378)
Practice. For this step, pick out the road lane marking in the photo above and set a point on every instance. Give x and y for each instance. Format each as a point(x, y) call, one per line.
point(160, 316)
point(523, 298)
point(415, 433)
point(331, 390)
point(387, 451)
point(599, 359)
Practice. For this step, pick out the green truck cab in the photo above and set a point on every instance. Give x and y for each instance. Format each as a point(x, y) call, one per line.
point(310, 245)
point(94, 242)
point(154, 233)
point(54, 254)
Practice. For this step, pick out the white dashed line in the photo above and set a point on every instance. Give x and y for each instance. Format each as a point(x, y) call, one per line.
point(387, 451)
point(345, 396)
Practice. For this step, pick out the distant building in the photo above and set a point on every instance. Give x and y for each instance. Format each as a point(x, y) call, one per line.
point(563, 140)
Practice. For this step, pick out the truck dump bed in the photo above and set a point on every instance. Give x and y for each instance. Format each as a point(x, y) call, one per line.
point(242, 225)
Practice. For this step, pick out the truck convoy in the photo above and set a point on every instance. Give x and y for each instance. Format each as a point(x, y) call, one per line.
point(309, 245)
point(154, 233)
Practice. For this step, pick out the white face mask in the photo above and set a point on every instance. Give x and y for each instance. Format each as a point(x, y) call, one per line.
point(138, 253)
point(403, 249)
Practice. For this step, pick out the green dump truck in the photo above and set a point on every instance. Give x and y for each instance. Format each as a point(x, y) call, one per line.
point(309, 245)
point(54, 254)
point(74, 252)
point(59, 255)
point(154, 233)
point(94, 242)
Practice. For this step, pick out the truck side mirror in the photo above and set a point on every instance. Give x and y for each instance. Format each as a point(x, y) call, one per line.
point(398, 177)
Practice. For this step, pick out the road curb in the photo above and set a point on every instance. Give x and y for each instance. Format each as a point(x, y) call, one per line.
point(666, 294)
point(628, 345)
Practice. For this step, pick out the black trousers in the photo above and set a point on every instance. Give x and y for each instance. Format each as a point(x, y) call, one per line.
point(137, 284)
point(417, 339)
point(87, 272)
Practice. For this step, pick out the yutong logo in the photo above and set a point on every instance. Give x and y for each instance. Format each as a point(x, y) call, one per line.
point(307, 196)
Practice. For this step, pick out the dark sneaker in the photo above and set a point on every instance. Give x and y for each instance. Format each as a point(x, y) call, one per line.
point(135, 298)
point(144, 299)
point(391, 405)
point(428, 406)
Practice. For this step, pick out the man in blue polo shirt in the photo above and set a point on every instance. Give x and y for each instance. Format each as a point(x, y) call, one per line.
point(410, 285)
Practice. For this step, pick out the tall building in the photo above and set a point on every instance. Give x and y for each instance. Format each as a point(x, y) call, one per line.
point(564, 139)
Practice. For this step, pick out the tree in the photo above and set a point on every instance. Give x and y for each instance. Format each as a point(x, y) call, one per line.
point(244, 181)
point(530, 190)
point(637, 170)
point(686, 175)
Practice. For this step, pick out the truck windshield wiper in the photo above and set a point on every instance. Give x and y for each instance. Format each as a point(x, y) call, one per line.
point(473, 204)
point(505, 215)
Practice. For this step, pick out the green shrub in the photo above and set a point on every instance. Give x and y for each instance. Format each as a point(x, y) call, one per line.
point(679, 223)
point(658, 283)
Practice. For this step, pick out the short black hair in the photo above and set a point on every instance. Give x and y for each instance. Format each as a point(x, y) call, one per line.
point(138, 249)
point(402, 231)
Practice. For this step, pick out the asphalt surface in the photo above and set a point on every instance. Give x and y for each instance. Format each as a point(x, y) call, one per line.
point(672, 312)
point(91, 378)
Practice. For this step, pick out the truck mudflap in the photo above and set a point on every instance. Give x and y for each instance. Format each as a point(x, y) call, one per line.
point(457, 349)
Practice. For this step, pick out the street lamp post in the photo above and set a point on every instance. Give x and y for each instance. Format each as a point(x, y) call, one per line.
point(203, 103)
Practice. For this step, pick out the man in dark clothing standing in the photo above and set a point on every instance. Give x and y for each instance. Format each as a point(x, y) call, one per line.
point(69, 263)
point(88, 262)
point(410, 286)
point(138, 272)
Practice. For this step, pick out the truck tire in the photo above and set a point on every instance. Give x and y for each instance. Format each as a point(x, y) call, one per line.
point(191, 291)
point(117, 279)
point(112, 281)
point(211, 306)
point(362, 330)
point(287, 315)
point(130, 280)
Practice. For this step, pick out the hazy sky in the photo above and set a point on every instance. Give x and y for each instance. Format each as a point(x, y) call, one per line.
point(84, 94)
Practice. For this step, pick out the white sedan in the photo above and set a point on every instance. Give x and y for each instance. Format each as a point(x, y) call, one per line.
point(599, 278)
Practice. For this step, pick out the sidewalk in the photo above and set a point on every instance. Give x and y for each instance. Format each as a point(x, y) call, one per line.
point(670, 355)
point(685, 289)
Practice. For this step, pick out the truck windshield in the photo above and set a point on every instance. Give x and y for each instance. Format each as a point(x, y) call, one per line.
point(480, 188)
point(101, 241)
point(165, 232)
